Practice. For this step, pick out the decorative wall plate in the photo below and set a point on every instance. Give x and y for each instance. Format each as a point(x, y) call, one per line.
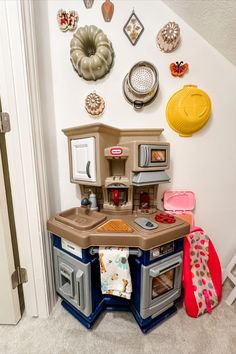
point(91, 53)
point(168, 37)
point(94, 104)
point(107, 10)
point(133, 28)
point(67, 20)
point(178, 68)
point(88, 3)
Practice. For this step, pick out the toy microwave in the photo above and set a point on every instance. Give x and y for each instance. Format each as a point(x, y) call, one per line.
point(154, 155)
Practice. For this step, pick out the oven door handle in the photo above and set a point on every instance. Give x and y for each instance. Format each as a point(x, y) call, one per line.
point(160, 269)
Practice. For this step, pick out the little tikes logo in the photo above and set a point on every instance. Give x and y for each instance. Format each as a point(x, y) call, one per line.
point(116, 151)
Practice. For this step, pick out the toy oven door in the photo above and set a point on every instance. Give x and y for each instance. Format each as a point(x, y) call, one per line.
point(161, 284)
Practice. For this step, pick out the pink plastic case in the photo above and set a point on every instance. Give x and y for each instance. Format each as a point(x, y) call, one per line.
point(180, 203)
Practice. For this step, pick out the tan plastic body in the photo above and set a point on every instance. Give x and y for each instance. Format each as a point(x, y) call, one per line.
point(144, 239)
point(113, 170)
point(107, 136)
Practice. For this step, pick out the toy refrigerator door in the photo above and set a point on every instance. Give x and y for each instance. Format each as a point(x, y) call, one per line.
point(84, 159)
point(73, 280)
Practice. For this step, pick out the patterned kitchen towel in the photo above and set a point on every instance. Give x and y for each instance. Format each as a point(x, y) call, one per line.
point(115, 272)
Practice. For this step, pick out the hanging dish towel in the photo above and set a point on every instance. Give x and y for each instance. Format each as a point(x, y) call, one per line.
point(115, 272)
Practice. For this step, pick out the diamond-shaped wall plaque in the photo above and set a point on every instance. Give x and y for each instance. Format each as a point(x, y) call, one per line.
point(133, 28)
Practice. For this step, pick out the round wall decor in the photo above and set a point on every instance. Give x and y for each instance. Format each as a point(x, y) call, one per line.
point(91, 53)
point(94, 104)
point(188, 110)
point(141, 84)
point(168, 37)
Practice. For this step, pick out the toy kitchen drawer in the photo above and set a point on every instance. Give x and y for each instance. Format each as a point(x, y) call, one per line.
point(180, 203)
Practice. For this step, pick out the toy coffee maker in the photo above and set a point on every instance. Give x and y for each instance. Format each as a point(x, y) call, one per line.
point(118, 192)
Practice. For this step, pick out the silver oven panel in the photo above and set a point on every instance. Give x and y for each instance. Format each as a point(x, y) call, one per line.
point(73, 280)
point(146, 155)
point(160, 285)
point(161, 250)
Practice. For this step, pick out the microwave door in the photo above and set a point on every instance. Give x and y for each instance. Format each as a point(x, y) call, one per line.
point(144, 156)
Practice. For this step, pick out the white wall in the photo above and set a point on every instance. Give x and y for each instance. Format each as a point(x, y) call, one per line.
point(204, 163)
point(213, 19)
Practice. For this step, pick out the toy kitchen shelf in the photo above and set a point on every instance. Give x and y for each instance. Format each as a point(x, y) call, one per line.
point(123, 168)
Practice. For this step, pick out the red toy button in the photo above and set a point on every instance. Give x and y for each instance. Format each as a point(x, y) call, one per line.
point(165, 218)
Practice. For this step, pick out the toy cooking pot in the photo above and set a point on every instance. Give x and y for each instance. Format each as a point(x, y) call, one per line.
point(188, 110)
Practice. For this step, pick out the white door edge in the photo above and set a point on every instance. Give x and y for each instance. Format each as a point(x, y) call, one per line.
point(10, 307)
point(20, 98)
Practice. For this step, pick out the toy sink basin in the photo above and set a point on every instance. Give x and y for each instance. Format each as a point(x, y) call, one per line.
point(81, 218)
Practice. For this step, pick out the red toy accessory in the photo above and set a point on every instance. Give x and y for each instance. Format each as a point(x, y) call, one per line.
point(116, 197)
point(178, 68)
point(165, 218)
point(202, 280)
point(67, 20)
point(144, 201)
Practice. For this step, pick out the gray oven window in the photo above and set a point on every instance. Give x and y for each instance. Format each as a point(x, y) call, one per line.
point(163, 283)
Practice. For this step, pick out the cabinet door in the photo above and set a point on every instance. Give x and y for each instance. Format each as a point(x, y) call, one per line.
point(84, 159)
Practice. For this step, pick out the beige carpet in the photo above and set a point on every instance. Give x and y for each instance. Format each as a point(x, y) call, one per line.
point(117, 332)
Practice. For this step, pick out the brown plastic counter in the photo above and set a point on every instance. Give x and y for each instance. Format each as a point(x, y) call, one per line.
point(141, 238)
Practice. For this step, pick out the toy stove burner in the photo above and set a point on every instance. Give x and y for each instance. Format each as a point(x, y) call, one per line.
point(165, 218)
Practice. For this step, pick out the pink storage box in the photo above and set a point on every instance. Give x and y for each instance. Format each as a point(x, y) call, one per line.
point(180, 203)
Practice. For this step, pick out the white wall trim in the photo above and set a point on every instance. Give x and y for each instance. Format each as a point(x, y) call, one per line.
point(20, 97)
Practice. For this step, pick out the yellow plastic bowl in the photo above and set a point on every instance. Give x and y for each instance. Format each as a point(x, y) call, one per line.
point(188, 110)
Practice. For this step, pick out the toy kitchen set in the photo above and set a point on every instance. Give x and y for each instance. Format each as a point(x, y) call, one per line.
point(118, 172)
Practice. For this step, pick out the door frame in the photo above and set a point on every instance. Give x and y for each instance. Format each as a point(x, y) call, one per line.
point(20, 95)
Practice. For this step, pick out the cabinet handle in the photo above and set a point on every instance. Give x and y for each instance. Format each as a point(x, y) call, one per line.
point(146, 156)
point(88, 169)
point(80, 287)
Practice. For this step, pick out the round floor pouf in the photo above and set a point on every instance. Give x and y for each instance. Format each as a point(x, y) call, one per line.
point(91, 52)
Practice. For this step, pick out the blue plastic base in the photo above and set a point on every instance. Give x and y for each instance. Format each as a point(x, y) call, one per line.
point(102, 302)
point(110, 304)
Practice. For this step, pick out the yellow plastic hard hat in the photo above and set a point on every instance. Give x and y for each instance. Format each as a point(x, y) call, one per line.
point(188, 110)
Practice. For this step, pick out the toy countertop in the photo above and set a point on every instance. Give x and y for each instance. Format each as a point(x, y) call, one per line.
point(132, 235)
